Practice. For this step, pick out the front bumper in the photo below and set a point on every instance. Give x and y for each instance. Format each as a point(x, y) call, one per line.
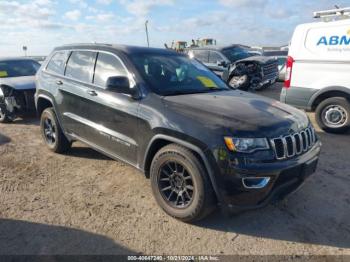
point(284, 178)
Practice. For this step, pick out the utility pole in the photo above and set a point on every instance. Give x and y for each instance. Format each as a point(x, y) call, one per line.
point(146, 26)
point(25, 50)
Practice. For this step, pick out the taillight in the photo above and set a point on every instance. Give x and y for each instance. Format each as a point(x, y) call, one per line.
point(289, 67)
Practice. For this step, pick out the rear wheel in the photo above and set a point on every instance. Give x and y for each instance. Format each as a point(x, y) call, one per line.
point(180, 184)
point(52, 132)
point(333, 115)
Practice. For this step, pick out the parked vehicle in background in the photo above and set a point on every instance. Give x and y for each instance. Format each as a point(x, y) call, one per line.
point(17, 87)
point(39, 59)
point(281, 57)
point(200, 142)
point(318, 67)
point(238, 66)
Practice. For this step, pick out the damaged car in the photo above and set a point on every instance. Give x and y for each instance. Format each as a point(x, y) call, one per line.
point(238, 66)
point(17, 87)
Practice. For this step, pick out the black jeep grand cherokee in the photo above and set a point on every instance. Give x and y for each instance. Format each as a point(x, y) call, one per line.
point(199, 142)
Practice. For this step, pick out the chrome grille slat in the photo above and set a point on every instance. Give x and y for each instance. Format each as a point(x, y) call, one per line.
point(294, 144)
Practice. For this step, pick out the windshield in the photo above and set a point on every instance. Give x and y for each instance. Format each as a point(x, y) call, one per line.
point(16, 68)
point(237, 53)
point(176, 74)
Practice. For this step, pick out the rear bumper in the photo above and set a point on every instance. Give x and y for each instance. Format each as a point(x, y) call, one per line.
point(284, 178)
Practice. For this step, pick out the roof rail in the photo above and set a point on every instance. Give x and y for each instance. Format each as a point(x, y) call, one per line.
point(338, 13)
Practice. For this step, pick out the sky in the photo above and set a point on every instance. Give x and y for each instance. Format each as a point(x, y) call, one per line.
point(43, 24)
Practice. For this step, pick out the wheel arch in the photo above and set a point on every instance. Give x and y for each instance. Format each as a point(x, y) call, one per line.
point(160, 140)
point(42, 103)
point(328, 92)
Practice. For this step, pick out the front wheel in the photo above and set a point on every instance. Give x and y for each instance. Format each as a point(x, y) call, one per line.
point(239, 82)
point(4, 118)
point(52, 132)
point(180, 184)
point(333, 115)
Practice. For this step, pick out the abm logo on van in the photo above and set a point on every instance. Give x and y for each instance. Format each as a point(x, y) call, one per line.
point(335, 40)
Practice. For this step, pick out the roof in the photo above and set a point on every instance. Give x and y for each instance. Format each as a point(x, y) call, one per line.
point(121, 48)
point(218, 47)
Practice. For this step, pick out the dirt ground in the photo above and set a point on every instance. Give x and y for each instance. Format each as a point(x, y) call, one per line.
point(86, 203)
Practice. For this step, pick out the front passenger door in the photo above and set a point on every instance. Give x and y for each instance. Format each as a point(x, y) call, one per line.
point(114, 114)
point(215, 58)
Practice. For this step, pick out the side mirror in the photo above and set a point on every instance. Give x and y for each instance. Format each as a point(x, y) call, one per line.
point(221, 63)
point(119, 84)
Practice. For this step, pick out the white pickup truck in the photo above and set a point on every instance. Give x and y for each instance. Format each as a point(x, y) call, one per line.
point(318, 69)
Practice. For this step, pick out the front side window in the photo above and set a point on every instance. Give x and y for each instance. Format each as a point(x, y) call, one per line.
point(17, 68)
point(106, 66)
point(176, 74)
point(57, 62)
point(80, 66)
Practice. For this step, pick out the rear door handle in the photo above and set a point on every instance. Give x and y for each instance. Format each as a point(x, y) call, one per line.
point(59, 82)
point(92, 93)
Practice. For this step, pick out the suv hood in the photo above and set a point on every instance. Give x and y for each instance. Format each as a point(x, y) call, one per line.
point(19, 83)
point(259, 59)
point(238, 113)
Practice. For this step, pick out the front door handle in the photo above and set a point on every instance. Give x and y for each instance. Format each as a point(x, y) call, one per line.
point(59, 82)
point(92, 93)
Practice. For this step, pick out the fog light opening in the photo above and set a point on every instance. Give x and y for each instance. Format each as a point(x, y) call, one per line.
point(255, 182)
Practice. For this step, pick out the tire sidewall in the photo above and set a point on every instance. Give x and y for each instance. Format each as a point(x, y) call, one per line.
point(49, 114)
point(3, 117)
point(333, 101)
point(195, 171)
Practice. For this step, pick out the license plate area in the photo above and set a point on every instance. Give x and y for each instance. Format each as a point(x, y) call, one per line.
point(309, 168)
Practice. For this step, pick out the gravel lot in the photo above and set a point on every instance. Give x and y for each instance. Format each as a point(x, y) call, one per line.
point(86, 203)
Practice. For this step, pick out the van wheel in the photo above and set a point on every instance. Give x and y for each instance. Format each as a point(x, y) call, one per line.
point(180, 184)
point(333, 115)
point(52, 132)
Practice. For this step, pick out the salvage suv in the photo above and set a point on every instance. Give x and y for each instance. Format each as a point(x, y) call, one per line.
point(200, 142)
point(239, 66)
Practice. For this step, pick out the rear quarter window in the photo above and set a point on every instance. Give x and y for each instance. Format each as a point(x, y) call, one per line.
point(57, 62)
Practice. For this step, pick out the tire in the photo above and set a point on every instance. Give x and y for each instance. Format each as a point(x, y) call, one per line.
point(192, 206)
point(244, 85)
point(4, 118)
point(52, 133)
point(333, 115)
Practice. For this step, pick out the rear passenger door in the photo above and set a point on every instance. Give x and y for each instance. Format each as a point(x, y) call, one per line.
point(77, 93)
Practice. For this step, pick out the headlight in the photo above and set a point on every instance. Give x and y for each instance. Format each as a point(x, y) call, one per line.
point(246, 145)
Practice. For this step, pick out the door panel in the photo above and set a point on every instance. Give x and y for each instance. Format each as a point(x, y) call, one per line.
point(74, 90)
point(214, 58)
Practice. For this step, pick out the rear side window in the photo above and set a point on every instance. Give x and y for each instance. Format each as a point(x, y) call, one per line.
point(107, 65)
point(201, 55)
point(57, 62)
point(80, 65)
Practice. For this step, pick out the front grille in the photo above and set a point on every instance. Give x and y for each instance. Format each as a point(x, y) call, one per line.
point(294, 144)
point(270, 69)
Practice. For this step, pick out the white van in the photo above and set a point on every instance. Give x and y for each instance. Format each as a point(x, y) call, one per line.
point(318, 69)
